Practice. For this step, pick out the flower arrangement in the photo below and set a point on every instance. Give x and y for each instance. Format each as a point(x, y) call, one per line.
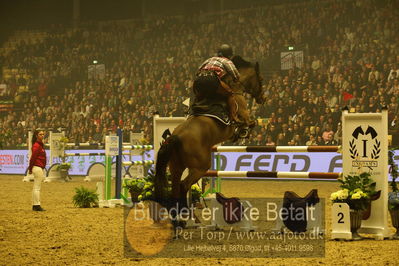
point(64, 166)
point(135, 184)
point(357, 191)
point(144, 141)
point(393, 196)
point(63, 142)
point(196, 193)
point(135, 187)
point(142, 189)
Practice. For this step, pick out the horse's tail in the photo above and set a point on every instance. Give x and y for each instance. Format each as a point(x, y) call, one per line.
point(171, 144)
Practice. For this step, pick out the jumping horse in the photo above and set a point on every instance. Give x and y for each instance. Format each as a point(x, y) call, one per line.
point(190, 144)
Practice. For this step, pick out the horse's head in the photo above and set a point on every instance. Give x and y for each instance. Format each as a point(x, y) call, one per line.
point(250, 78)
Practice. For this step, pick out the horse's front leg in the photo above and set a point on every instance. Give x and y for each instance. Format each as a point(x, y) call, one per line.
point(175, 204)
point(185, 193)
point(243, 112)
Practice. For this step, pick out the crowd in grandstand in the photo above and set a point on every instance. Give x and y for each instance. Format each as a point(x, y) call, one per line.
point(350, 59)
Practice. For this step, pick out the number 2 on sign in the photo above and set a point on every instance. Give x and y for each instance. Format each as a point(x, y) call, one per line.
point(340, 221)
point(341, 218)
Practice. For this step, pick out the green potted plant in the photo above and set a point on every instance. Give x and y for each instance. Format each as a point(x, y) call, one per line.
point(135, 187)
point(63, 142)
point(357, 191)
point(393, 195)
point(142, 189)
point(85, 198)
point(63, 168)
point(148, 188)
point(196, 193)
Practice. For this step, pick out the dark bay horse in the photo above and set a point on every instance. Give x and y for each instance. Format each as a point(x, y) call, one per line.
point(190, 144)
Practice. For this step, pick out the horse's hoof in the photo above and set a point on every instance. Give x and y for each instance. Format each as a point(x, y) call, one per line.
point(198, 205)
point(182, 224)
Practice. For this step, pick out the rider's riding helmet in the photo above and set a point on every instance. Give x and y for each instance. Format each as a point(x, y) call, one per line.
point(225, 50)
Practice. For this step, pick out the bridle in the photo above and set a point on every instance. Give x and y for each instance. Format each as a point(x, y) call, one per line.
point(257, 71)
point(256, 95)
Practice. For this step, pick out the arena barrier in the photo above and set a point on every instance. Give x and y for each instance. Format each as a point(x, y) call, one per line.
point(57, 150)
point(105, 172)
point(95, 172)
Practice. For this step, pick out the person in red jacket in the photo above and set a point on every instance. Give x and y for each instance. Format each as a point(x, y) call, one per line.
point(37, 164)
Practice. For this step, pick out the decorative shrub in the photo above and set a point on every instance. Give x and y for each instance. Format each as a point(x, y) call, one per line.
point(85, 198)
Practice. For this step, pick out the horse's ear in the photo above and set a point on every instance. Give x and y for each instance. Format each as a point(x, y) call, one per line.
point(240, 62)
point(236, 59)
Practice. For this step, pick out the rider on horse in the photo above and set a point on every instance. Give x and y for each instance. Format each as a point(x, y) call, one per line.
point(218, 77)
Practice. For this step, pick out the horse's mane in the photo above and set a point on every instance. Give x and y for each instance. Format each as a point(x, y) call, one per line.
point(239, 62)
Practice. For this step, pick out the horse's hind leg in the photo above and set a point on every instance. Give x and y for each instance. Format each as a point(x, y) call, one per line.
point(194, 174)
point(176, 169)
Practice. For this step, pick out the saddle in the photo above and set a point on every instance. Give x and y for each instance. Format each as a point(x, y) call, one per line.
point(216, 108)
point(233, 211)
point(296, 206)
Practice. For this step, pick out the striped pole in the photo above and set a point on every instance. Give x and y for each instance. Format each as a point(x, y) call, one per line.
point(138, 147)
point(218, 179)
point(118, 166)
point(108, 170)
point(145, 162)
point(276, 149)
point(85, 154)
point(84, 144)
point(310, 175)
